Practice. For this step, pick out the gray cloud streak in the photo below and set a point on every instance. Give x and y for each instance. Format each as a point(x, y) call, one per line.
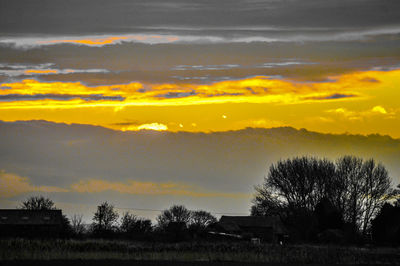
point(58, 97)
point(54, 16)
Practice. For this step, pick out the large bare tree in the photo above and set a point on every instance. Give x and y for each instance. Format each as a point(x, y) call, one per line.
point(357, 188)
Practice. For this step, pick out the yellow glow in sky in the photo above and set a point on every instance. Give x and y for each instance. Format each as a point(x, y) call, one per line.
point(359, 102)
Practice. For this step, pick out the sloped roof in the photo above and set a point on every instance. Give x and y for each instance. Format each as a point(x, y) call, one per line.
point(30, 217)
point(229, 226)
point(255, 221)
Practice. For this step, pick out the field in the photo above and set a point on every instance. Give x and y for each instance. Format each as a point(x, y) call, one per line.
point(86, 252)
point(132, 263)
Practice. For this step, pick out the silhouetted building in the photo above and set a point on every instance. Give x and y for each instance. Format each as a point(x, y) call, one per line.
point(268, 229)
point(30, 223)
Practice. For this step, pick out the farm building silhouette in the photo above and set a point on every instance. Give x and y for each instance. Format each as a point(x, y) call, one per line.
point(30, 223)
point(268, 229)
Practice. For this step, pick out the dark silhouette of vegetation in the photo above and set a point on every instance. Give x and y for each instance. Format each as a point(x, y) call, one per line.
point(178, 223)
point(77, 226)
point(104, 220)
point(135, 228)
point(38, 203)
point(345, 194)
point(175, 214)
point(199, 220)
point(318, 200)
point(173, 223)
point(328, 216)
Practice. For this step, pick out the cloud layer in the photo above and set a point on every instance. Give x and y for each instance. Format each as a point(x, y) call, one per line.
point(82, 164)
point(13, 185)
point(260, 89)
point(242, 37)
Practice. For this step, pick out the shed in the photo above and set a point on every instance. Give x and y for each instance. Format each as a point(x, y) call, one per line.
point(30, 223)
point(268, 228)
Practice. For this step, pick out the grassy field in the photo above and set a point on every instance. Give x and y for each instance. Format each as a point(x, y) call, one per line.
point(87, 251)
point(136, 263)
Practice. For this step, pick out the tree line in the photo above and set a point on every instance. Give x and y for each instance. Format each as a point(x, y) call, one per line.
point(347, 200)
point(174, 224)
point(315, 196)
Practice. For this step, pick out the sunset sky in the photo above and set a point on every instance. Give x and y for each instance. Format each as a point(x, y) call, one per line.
point(212, 69)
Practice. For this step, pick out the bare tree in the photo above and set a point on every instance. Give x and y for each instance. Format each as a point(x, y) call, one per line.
point(128, 221)
point(105, 217)
point(356, 188)
point(177, 214)
point(135, 227)
point(349, 171)
point(201, 219)
point(77, 224)
point(38, 203)
point(376, 191)
point(300, 182)
point(265, 203)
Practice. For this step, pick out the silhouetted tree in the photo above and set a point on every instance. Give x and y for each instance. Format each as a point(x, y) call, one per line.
point(176, 214)
point(367, 186)
point(134, 227)
point(295, 183)
point(173, 223)
point(376, 191)
point(201, 219)
point(328, 216)
point(104, 218)
point(128, 221)
point(396, 195)
point(264, 203)
point(78, 228)
point(38, 203)
point(356, 188)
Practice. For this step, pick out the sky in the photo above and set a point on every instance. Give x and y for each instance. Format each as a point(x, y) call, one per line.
point(193, 88)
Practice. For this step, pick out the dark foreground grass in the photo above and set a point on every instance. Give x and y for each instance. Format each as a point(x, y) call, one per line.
point(138, 263)
point(87, 252)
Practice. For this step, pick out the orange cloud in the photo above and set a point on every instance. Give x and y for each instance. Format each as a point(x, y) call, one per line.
point(40, 71)
point(106, 40)
point(13, 185)
point(261, 89)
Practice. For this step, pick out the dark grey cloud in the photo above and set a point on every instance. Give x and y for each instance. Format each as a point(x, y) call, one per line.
point(171, 95)
point(128, 123)
point(17, 70)
point(332, 97)
point(207, 67)
point(58, 97)
point(101, 16)
point(141, 62)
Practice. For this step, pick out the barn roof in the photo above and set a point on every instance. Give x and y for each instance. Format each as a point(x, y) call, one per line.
point(30, 217)
point(254, 221)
